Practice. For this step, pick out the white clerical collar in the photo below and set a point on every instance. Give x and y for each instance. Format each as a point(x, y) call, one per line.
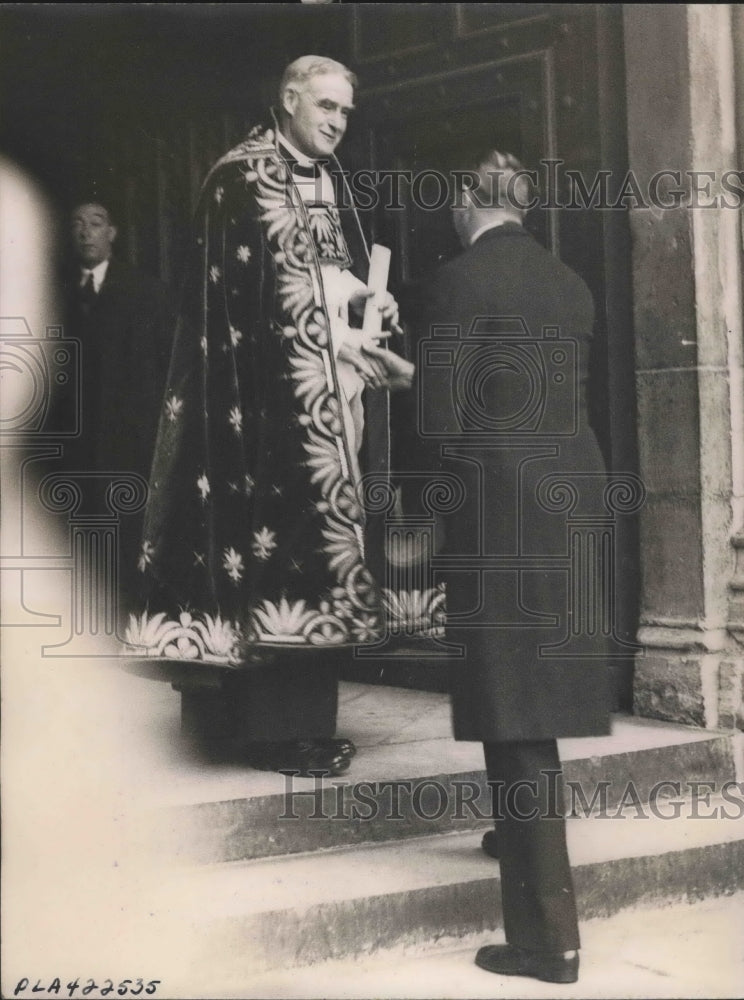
point(317, 186)
point(302, 158)
point(98, 272)
point(491, 225)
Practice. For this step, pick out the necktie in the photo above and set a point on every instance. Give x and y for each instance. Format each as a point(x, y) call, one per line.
point(88, 293)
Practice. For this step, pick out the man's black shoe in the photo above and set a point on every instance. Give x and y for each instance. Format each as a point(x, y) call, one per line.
point(506, 960)
point(490, 844)
point(303, 758)
point(337, 745)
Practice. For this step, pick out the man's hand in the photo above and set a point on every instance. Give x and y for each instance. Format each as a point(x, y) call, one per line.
point(398, 372)
point(354, 351)
point(388, 309)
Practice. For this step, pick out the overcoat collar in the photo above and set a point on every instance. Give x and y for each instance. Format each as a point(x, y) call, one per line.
point(497, 232)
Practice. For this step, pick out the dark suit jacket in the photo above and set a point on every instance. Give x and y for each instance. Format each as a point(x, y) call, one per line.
point(503, 407)
point(125, 340)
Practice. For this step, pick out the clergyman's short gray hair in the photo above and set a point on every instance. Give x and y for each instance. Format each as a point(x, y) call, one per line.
point(500, 181)
point(302, 69)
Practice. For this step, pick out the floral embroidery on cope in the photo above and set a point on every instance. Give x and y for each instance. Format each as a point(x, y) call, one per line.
point(173, 408)
point(145, 557)
point(208, 638)
point(308, 360)
point(232, 562)
point(319, 590)
point(325, 225)
point(236, 419)
point(202, 484)
point(416, 610)
point(263, 543)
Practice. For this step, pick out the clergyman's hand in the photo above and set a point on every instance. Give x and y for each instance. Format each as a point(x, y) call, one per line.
point(370, 369)
point(388, 308)
point(398, 372)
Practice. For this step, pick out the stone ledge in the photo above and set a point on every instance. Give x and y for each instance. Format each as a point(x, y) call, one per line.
point(669, 686)
point(731, 694)
point(694, 689)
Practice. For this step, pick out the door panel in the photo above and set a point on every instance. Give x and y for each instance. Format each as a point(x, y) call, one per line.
point(530, 88)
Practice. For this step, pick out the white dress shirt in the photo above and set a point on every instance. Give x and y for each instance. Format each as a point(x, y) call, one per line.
point(489, 225)
point(98, 272)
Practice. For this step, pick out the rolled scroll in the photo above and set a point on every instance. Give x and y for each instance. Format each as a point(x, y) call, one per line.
point(379, 266)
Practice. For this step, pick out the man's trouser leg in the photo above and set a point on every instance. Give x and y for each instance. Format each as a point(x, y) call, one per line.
point(536, 885)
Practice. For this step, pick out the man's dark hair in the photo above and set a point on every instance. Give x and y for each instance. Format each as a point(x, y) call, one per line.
point(499, 180)
point(91, 198)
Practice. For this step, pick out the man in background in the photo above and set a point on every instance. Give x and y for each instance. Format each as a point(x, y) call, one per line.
point(124, 320)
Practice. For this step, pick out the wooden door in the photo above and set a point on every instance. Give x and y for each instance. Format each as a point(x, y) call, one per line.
point(545, 83)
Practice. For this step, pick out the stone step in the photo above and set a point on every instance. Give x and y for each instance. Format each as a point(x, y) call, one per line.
point(422, 788)
point(296, 911)
point(688, 949)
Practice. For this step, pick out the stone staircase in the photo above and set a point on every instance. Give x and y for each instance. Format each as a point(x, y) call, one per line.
point(268, 871)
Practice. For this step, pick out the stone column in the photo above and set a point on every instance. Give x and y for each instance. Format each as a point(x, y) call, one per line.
point(688, 346)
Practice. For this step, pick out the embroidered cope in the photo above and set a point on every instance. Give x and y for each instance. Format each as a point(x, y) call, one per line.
point(255, 533)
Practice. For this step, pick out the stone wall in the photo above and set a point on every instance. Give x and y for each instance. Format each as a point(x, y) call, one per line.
point(682, 65)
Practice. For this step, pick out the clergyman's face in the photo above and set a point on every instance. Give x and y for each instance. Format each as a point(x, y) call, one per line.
point(93, 234)
point(317, 113)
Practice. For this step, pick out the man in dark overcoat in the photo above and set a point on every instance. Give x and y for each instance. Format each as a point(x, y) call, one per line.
point(503, 367)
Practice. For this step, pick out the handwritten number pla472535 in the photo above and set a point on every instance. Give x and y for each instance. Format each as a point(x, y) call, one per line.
point(127, 987)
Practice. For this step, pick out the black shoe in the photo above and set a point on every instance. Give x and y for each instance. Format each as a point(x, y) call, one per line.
point(337, 745)
point(506, 960)
point(490, 844)
point(303, 758)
